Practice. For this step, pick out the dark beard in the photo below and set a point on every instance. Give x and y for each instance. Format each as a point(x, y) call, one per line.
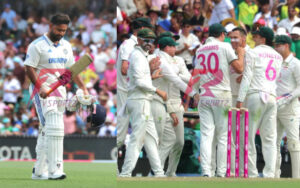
point(54, 38)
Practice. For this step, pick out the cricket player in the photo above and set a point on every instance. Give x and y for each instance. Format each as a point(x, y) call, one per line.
point(122, 66)
point(167, 118)
point(259, 85)
point(212, 71)
point(138, 105)
point(51, 54)
point(288, 91)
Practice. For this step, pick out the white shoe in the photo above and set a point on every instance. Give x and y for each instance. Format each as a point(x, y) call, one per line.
point(160, 176)
point(124, 175)
point(40, 177)
point(57, 176)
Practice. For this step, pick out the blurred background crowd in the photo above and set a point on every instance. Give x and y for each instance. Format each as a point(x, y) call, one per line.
point(92, 30)
point(190, 19)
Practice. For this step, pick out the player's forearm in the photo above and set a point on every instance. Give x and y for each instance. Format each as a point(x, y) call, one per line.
point(31, 73)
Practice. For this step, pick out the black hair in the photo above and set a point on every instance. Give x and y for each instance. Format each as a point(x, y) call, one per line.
point(241, 30)
point(269, 42)
point(60, 18)
point(216, 35)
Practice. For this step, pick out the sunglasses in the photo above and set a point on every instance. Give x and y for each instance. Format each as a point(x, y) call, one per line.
point(151, 41)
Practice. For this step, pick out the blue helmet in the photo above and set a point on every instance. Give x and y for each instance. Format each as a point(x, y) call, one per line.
point(98, 115)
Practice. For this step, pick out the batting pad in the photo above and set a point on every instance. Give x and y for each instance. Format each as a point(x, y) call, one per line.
point(55, 154)
point(294, 149)
point(41, 165)
point(54, 123)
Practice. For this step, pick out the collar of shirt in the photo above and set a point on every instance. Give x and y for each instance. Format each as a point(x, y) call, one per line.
point(288, 59)
point(143, 52)
point(167, 56)
point(211, 39)
point(60, 43)
point(134, 38)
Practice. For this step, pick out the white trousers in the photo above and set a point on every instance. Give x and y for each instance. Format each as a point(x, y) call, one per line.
point(213, 123)
point(287, 121)
point(262, 116)
point(122, 121)
point(143, 134)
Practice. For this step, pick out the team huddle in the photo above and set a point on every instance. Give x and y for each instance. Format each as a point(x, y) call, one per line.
point(265, 80)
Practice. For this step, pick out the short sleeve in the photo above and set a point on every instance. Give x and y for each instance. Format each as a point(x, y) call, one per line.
point(126, 50)
point(32, 56)
point(229, 4)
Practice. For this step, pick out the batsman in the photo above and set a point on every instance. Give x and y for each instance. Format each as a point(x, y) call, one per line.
point(50, 54)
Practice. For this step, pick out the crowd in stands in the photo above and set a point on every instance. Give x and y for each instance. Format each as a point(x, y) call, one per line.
point(90, 31)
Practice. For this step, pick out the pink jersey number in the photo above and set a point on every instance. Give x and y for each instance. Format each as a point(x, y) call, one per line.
point(272, 69)
point(215, 71)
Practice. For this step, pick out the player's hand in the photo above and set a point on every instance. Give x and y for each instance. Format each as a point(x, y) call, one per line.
point(154, 64)
point(162, 94)
point(239, 104)
point(175, 119)
point(239, 79)
point(156, 74)
point(186, 46)
point(240, 51)
point(283, 100)
point(86, 92)
point(43, 92)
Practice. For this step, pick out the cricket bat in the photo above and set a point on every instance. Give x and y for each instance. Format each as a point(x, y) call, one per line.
point(70, 74)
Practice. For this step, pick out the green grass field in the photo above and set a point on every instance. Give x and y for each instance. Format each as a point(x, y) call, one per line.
point(85, 175)
point(101, 175)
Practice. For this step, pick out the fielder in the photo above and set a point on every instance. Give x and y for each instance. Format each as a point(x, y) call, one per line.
point(259, 85)
point(122, 65)
point(288, 91)
point(168, 117)
point(50, 52)
point(212, 71)
point(140, 94)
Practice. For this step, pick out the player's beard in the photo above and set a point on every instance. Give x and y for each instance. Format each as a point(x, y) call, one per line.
point(55, 37)
point(146, 46)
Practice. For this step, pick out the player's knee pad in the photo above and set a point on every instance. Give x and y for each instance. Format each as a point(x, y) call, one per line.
point(54, 123)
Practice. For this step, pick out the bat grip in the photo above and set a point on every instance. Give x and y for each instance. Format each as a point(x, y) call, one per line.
point(57, 84)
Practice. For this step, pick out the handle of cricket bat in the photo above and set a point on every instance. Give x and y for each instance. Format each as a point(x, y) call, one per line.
point(53, 88)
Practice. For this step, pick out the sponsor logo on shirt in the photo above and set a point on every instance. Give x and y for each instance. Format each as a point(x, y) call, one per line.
point(57, 60)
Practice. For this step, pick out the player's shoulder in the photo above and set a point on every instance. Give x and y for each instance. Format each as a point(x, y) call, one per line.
point(38, 41)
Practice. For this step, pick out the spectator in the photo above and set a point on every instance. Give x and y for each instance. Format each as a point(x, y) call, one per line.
point(266, 15)
point(100, 61)
point(107, 129)
point(221, 10)
point(33, 125)
point(164, 13)
point(7, 128)
point(98, 35)
point(127, 6)
point(185, 41)
point(70, 122)
point(42, 27)
point(12, 89)
point(292, 19)
point(247, 10)
point(90, 22)
point(21, 23)
point(295, 34)
point(9, 18)
point(283, 9)
point(110, 76)
point(153, 14)
point(159, 3)
point(198, 13)
point(19, 71)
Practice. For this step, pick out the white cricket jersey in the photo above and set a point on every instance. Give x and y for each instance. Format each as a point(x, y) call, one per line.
point(189, 40)
point(183, 72)
point(261, 71)
point(43, 54)
point(289, 78)
point(140, 83)
point(235, 86)
point(212, 66)
point(124, 51)
point(170, 82)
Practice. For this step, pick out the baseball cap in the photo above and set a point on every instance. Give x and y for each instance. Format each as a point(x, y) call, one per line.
point(229, 27)
point(216, 29)
point(295, 31)
point(146, 33)
point(167, 41)
point(281, 31)
point(168, 34)
point(265, 32)
point(283, 39)
point(142, 22)
point(111, 61)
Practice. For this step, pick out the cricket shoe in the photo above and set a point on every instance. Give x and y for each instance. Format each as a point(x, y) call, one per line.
point(124, 176)
point(57, 176)
point(38, 177)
